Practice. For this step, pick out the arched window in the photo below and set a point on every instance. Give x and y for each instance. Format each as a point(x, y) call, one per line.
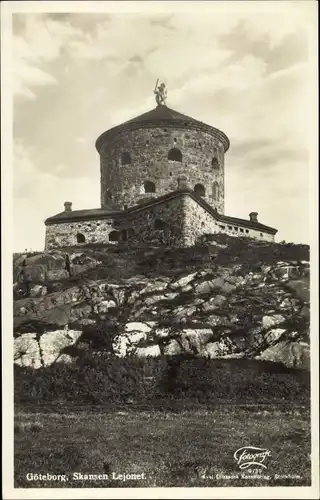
point(125, 158)
point(114, 236)
point(199, 190)
point(109, 195)
point(175, 155)
point(159, 224)
point(215, 163)
point(81, 238)
point(149, 187)
point(215, 190)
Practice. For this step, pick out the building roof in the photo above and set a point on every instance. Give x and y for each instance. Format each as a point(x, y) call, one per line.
point(82, 215)
point(112, 213)
point(162, 116)
point(201, 201)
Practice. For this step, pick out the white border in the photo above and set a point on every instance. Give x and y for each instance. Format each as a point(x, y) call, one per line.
point(306, 9)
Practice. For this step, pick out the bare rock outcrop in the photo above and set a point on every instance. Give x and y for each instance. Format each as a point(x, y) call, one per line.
point(239, 309)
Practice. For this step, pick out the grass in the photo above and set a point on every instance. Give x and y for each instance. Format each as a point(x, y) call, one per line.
point(170, 448)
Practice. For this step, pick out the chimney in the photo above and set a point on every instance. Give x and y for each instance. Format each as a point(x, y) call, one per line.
point(68, 206)
point(182, 182)
point(253, 216)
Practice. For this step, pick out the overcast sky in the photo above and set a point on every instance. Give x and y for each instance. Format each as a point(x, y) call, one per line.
point(76, 75)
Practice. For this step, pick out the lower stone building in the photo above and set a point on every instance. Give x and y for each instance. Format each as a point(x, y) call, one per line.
point(177, 219)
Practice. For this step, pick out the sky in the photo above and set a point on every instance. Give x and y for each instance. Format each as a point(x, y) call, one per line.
point(245, 72)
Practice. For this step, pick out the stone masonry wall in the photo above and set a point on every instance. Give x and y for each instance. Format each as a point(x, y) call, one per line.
point(65, 234)
point(148, 149)
point(178, 222)
point(198, 222)
point(145, 224)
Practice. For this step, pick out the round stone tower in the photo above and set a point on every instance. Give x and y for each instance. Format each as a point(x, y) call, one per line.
point(158, 152)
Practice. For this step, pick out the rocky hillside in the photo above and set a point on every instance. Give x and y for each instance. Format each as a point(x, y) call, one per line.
point(229, 297)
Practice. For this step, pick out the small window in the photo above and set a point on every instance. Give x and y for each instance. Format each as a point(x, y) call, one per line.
point(222, 227)
point(159, 224)
point(125, 158)
point(247, 230)
point(109, 195)
point(215, 190)
point(236, 228)
point(261, 234)
point(114, 236)
point(215, 163)
point(149, 187)
point(199, 190)
point(241, 230)
point(230, 227)
point(81, 238)
point(130, 232)
point(175, 155)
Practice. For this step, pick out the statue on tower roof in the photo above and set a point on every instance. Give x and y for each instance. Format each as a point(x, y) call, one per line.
point(161, 93)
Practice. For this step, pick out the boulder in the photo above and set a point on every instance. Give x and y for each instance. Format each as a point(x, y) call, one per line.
point(103, 306)
point(151, 350)
point(48, 260)
point(204, 288)
point(301, 288)
point(194, 340)
point(291, 354)
point(153, 299)
point(155, 286)
point(183, 312)
point(26, 351)
point(137, 327)
point(79, 263)
point(131, 338)
point(217, 349)
point(274, 335)
point(118, 294)
point(162, 332)
point(53, 343)
point(32, 274)
point(172, 348)
point(271, 321)
point(182, 282)
point(56, 275)
point(218, 300)
point(38, 291)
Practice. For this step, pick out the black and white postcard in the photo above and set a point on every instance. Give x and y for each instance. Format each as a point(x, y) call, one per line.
point(159, 237)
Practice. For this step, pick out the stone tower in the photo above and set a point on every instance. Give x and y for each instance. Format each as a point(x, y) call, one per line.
point(159, 152)
point(162, 184)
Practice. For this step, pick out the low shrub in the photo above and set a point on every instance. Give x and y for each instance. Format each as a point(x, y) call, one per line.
point(110, 380)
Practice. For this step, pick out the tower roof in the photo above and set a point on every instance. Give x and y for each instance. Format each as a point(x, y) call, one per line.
point(162, 116)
